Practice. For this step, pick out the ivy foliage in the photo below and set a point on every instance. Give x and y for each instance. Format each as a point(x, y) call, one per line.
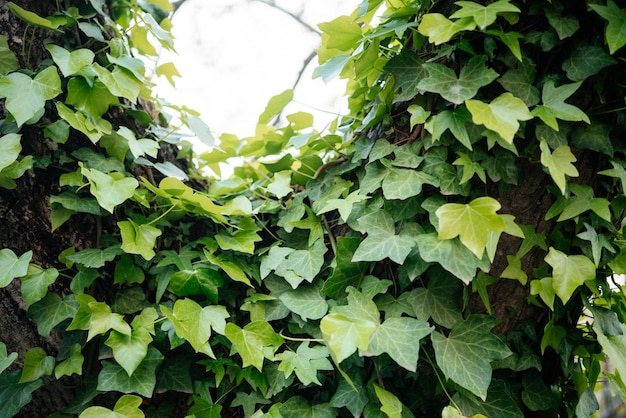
point(354, 271)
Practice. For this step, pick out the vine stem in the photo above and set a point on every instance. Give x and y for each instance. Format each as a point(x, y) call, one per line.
point(440, 380)
point(317, 340)
point(161, 216)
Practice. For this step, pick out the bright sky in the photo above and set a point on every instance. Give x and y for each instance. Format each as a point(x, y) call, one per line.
point(234, 55)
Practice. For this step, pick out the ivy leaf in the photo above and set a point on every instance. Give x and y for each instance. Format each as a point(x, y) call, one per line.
point(399, 337)
point(8, 61)
point(139, 239)
point(349, 327)
point(402, 183)
point(305, 301)
point(381, 240)
point(32, 18)
point(194, 323)
point(465, 355)
point(390, 404)
point(519, 81)
point(240, 240)
point(109, 189)
point(585, 62)
point(614, 346)
point(11, 266)
point(6, 360)
point(569, 272)
point(472, 222)
point(230, 268)
point(559, 163)
point(36, 364)
point(617, 172)
point(596, 137)
point(72, 365)
point(545, 290)
point(580, 201)
point(126, 407)
point(454, 121)
point(439, 29)
point(554, 106)
point(502, 115)
point(597, 241)
point(499, 403)
point(439, 300)
point(200, 281)
point(301, 265)
point(252, 341)
point(94, 129)
point(442, 79)
point(470, 168)
point(129, 350)
point(483, 15)
point(35, 283)
point(565, 26)
point(344, 206)
point(511, 40)
point(113, 378)
point(407, 71)
point(25, 96)
point(305, 362)
point(452, 255)
point(352, 396)
point(346, 272)
point(102, 320)
point(10, 148)
point(15, 395)
point(280, 186)
point(95, 257)
point(616, 29)
point(298, 407)
point(120, 82)
point(70, 62)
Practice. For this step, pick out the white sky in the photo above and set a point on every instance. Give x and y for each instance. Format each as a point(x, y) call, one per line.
point(234, 55)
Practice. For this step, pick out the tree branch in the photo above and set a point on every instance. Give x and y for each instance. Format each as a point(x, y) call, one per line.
point(296, 17)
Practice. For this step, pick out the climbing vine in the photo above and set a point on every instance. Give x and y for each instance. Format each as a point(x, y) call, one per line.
point(450, 247)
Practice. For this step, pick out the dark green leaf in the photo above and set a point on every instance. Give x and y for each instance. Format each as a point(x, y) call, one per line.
point(298, 407)
point(407, 71)
point(585, 62)
point(15, 395)
point(114, 378)
point(51, 311)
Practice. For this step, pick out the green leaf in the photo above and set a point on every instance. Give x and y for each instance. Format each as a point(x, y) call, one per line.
point(305, 301)
point(110, 189)
point(275, 105)
point(344, 206)
point(10, 148)
point(382, 240)
point(126, 406)
point(554, 106)
point(471, 222)
point(102, 320)
point(298, 407)
point(390, 404)
point(139, 239)
point(342, 33)
point(470, 168)
point(597, 241)
point(442, 79)
point(301, 265)
point(559, 163)
point(580, 201)
point(240, 240)
point(35, 283)
point(511, 40)
point(402, 183)
point(349, 327)
point(536, 395)
point(346, 272)
point(596, 137)
point(351, 396)
point(194, 323)
point(305, 362)
point(500, 403)
point(15, 395)
point(465, 355)
point(544, 289)
point(32, 18)
point(5, 360)
point(439, 29)
point(519, 82)
point(94, 129)
point(129, 350)
point(120, 82)
point(70, 62)
point(230, 268)
point(253, 341)
point(454, 121)
point(439, 300)
point(617, 172)
point(92, 98)
point(95, 257)
point(113, 378)
point(399, 337)
point(569, 272)
point(483, 15)
point(586, 61)
point(72, 365)
point(26, 97)
point(614, 346)
point(502, 115)
point(452, 255)
point(201, 281)
point(616, 29)
point(11, 266)
point(36, 364)
point(407, 71)
point(8, 61)
point(565, 26)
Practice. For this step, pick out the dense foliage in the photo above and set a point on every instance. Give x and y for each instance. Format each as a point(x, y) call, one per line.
point(449, 248)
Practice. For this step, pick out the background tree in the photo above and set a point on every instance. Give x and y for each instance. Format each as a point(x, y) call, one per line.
point(448, 248)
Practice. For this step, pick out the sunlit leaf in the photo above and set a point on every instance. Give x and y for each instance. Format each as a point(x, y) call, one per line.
point(502, 115)
point(616, 29)
point(569, 272)
point(139, 239)
point(126, 406)
point(559, 163)
point(252, 340)
point(483, 15)
point(439, 29)
point(11, 266)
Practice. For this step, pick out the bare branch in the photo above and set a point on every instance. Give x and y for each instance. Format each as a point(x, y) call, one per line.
point(296, 17)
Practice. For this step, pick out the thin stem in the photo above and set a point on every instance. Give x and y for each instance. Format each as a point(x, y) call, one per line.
point(162, 215)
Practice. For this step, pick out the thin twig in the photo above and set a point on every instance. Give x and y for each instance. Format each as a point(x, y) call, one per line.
point(296, 17)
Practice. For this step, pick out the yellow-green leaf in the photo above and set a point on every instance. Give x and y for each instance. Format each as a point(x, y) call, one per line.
point(502, 115)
